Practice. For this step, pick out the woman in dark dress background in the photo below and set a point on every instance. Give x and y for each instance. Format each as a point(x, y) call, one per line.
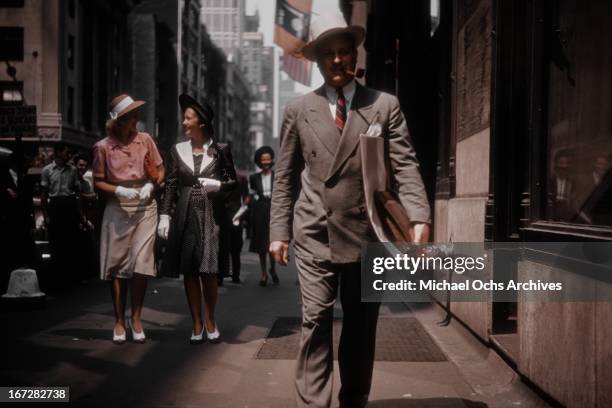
point(199, 170)
point(261, 190)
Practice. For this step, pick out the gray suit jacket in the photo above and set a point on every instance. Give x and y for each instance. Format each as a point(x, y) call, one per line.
point(318, 199)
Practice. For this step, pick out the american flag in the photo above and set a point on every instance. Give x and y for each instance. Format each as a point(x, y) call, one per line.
point(298, 68)
point(292, 25)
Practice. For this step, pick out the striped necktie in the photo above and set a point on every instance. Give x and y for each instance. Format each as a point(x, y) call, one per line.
point(340, 111)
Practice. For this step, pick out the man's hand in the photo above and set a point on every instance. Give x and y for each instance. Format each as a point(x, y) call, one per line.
point(420, 232)
point(280, 252)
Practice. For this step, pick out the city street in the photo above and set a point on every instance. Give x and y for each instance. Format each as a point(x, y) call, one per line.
point(68, 344)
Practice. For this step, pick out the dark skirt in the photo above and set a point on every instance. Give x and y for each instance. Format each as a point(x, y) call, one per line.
point(260, 226)
point(199, 247)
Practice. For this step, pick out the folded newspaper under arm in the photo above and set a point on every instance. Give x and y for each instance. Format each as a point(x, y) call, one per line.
point(388, 217)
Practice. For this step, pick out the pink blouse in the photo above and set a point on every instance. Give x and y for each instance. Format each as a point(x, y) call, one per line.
point(117, 163)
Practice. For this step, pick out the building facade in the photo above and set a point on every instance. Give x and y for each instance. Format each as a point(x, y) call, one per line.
point(70, 57)
point(150, 49)
point(224, 20)
point(236, 126)
point(154, 26)
point(506, 110)
point(257, 63)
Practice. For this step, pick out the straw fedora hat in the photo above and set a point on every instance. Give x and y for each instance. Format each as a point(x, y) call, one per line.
point(327, 25)
point(123, 104)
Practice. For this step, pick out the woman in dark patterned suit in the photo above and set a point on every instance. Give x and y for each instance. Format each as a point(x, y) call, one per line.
point(199, 170)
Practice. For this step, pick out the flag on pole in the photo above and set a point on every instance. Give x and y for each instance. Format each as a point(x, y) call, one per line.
point(298, 68)
point(292, 26)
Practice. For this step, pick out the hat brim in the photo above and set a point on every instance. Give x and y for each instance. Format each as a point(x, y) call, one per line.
point(186, 101)
point(132, 106)
point(357, 32)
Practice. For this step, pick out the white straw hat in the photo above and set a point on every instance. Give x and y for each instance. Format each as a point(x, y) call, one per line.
point(327, 25)
point(123, 104)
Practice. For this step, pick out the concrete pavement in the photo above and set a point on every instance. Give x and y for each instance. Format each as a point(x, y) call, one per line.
point(68, 343)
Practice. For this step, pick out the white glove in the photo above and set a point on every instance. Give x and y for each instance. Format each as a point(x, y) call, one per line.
point(236, 218)
point(127, 193)
point(164, 226)
point(146, 190)
point(210, 185)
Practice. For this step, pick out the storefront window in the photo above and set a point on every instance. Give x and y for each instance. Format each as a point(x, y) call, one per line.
point(579, 116)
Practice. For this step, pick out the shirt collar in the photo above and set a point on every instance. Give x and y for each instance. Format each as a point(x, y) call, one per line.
point(348, 90)
point(116, 143)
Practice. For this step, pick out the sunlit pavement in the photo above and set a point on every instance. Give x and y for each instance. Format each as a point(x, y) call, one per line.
point(68, 343)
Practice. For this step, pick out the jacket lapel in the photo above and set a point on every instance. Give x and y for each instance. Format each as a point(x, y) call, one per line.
point(320, 120)
point(185, 153)
point(212, 152)
point(359, 119)
point(259, 186)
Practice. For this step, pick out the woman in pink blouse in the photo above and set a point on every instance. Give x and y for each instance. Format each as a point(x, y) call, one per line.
point(127, 167)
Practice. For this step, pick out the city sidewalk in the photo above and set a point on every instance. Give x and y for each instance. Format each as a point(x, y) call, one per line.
point(68, 343)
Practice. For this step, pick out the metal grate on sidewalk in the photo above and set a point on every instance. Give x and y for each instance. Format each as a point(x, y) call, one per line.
point(397, 339)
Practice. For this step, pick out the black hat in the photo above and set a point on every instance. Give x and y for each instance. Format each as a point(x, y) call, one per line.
point(204, 110)
point(261, 151)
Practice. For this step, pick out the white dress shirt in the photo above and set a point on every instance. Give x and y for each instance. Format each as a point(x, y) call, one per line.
point(332, 97)
point(266, 183)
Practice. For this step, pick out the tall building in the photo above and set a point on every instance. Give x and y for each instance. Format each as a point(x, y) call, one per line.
point(286, 92)
point(191, 63)
point(237, 105)
point(251, 51)
point(258, 66)
point(69, 59)
point(154, 35)
point(224, 20)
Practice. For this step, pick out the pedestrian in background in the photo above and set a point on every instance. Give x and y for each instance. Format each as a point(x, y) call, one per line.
point(236, 202)
point(260, 185)
point(60, 190)
point(17, 248)
point(89, 225)
point(83, 165)
point(199, 170)
point(127, 167)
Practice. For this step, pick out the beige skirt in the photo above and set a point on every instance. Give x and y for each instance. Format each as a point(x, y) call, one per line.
point(127, 239)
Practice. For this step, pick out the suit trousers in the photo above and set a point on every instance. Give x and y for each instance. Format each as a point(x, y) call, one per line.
point(319, 283)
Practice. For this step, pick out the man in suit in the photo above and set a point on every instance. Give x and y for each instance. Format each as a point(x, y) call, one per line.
point(318, 202)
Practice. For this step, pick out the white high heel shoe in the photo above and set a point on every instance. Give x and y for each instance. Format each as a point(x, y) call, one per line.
point(137, 337)
point(118, 338)
point(214, 336)
point(197, 338)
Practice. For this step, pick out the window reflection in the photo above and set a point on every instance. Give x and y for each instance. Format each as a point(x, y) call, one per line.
point(579, 119)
